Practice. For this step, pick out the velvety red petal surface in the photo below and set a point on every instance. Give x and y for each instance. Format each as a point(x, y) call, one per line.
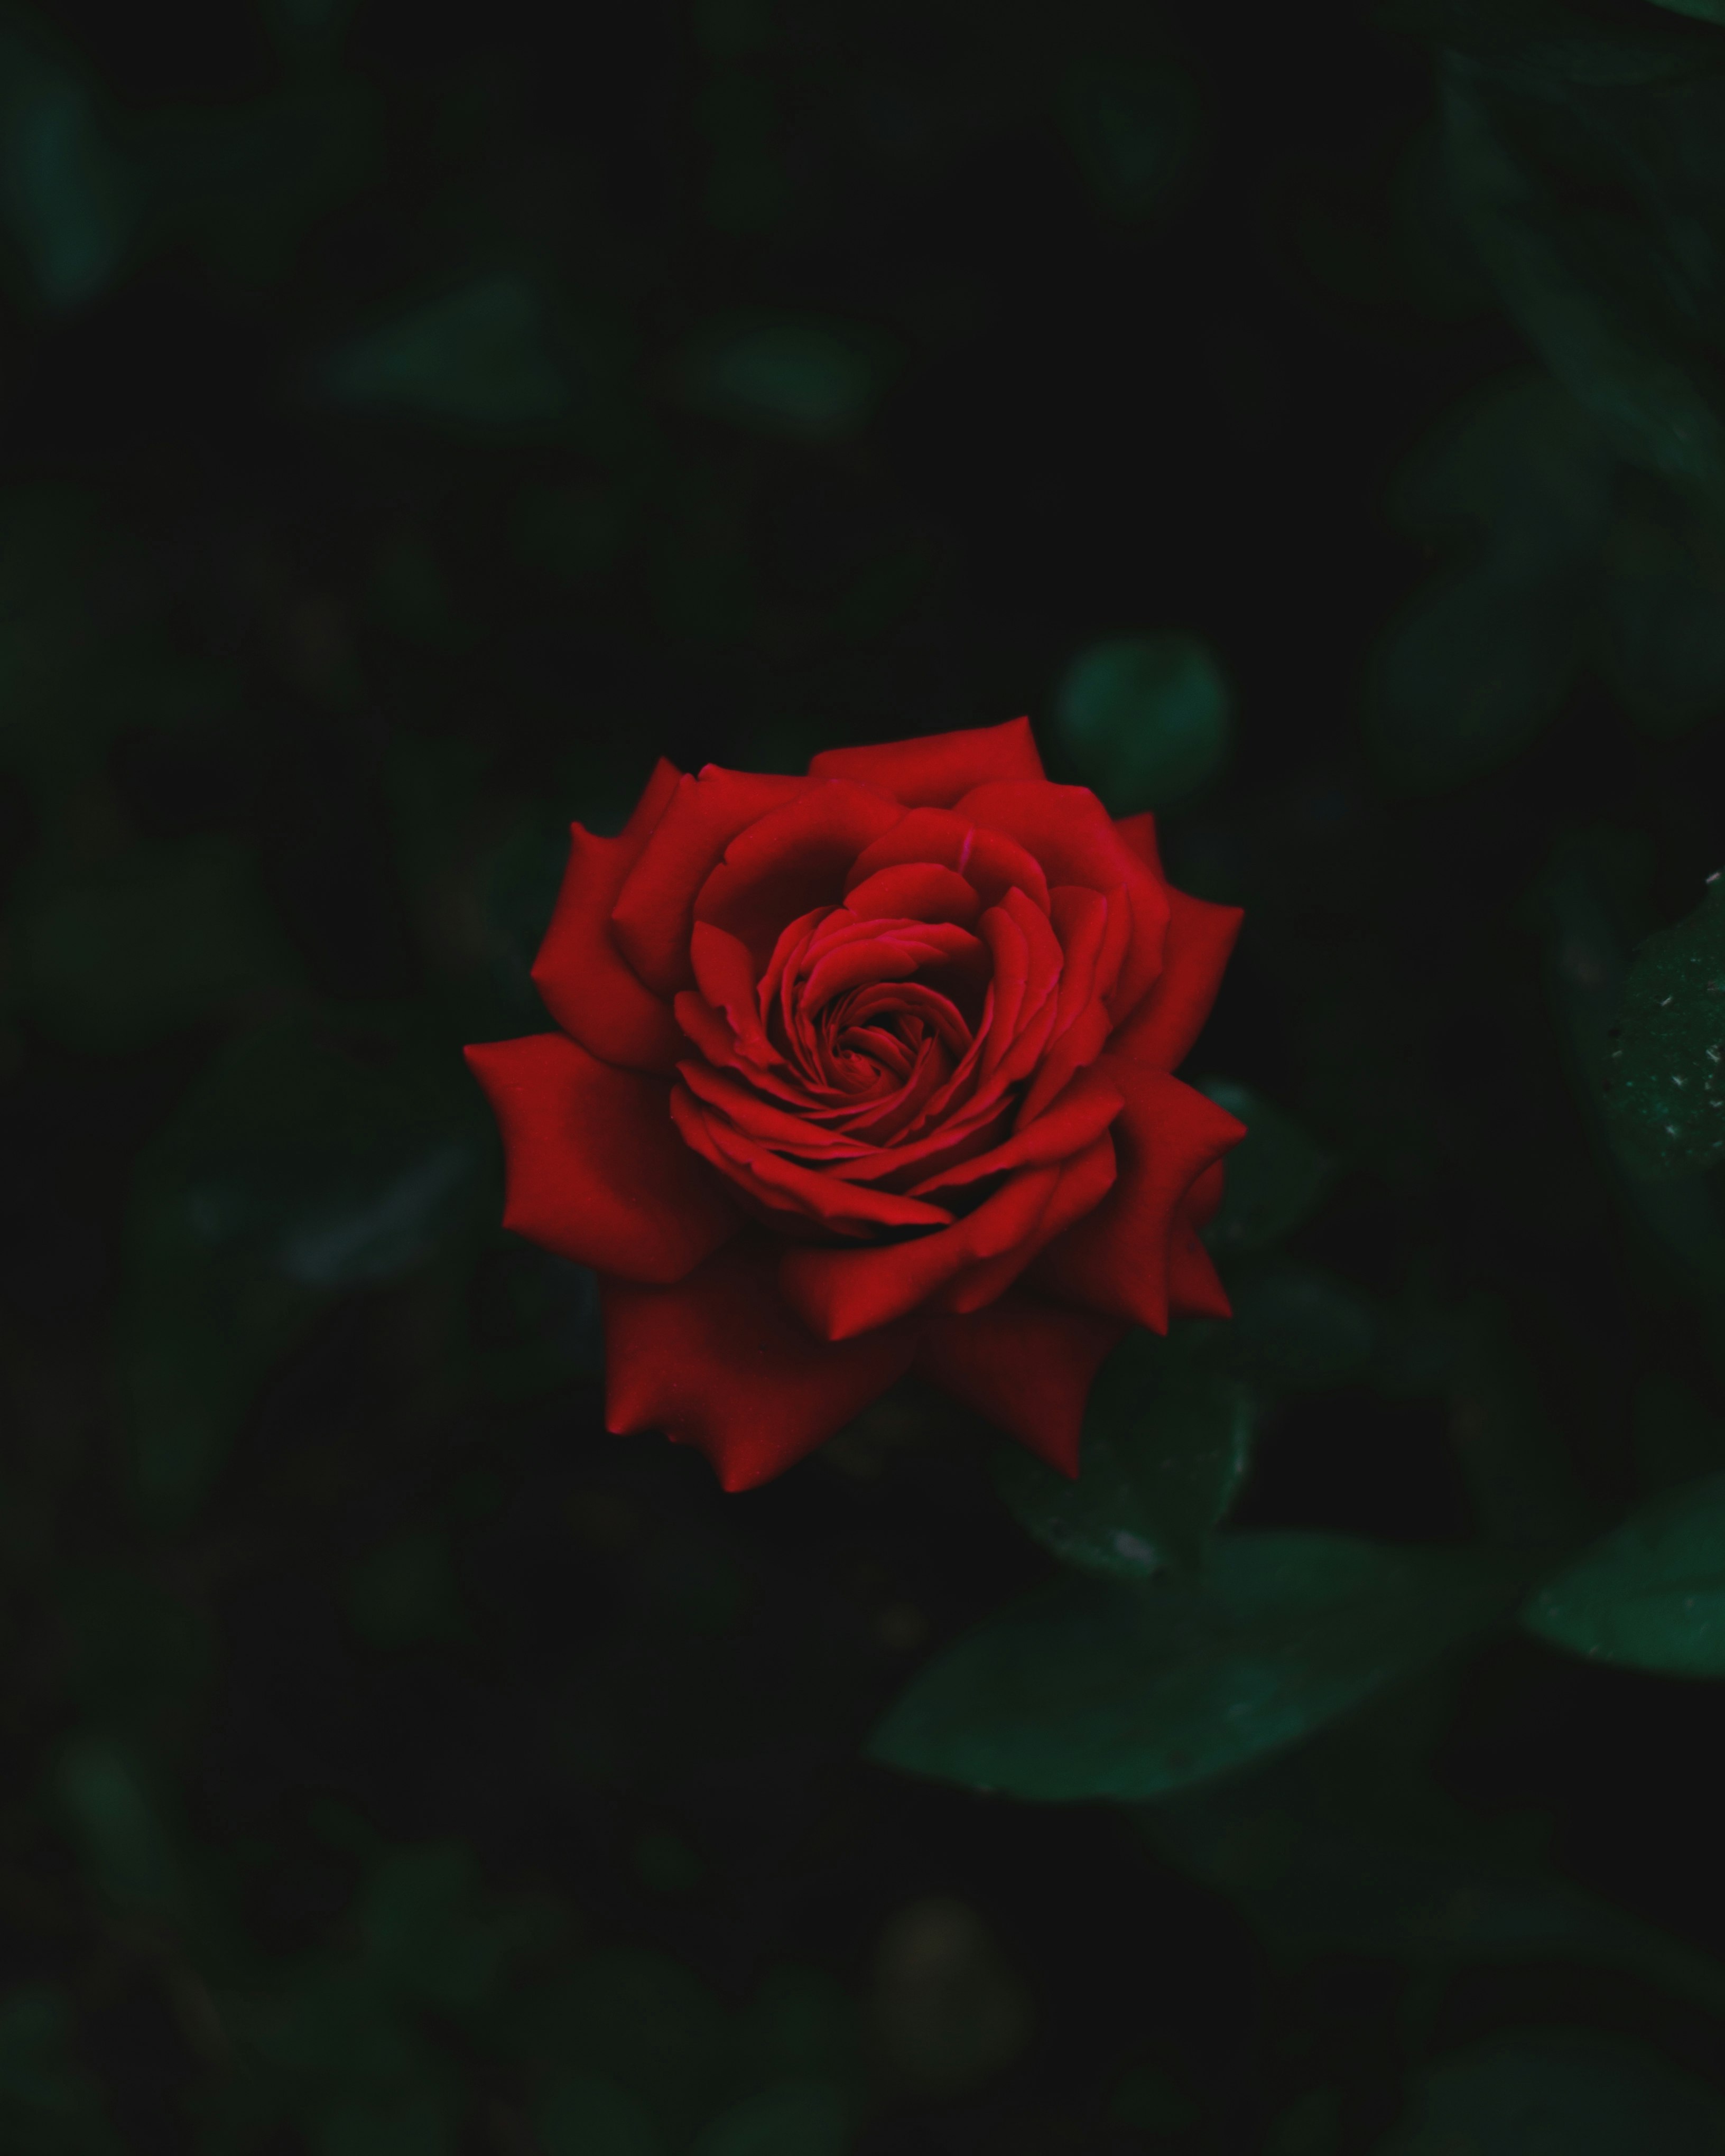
point(1195, 1287)
point(932, 771)
point(790, 860)
point(841, 1293)
point(595, 1169)
point(1117, 1259)
point(989, 862)
point(1074, 838)
point(1200, 939)
point(1027, 1364)
point(718, 1361)
point(656, 906)
point(1084, 1181)
point(1139, 832)
point(580, 974)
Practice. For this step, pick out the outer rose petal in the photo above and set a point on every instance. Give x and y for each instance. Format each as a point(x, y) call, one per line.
point(1117, 1260)
point(1026, 1364)
point(579, 973)
point(656, 904)
point(841, 1293)
point(932, 770)
point(1200, 937)
point(1194, 1288)
point(1139, 832)
point(596, 1169)
point(718, 1361)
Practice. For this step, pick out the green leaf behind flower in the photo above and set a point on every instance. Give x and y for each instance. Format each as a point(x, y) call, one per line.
point(1664, 1072)
point(1650, 1595)
point(1148, 720)
point(1166, 1444)
point(1276, 1175)
point(1093, 1689)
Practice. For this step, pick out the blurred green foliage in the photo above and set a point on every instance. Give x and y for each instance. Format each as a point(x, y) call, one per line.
point(415, 425)
point(1148, 719)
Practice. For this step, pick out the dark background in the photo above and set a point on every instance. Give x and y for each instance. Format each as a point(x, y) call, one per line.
point(414, 422)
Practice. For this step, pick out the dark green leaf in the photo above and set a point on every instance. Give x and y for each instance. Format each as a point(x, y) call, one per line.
point(810, 381)
point(1587, 978)
point(1148, 720)
point(1702, 11)
point(1481, 658)
point(1299, 1327)
point(1165, 1443)
point(479, 355)
point(1560, 2092)
point(1664, 1075)
point(1593, 293)
point(1472, 670)
point(1095, 1690)
point(1276, 1175)
point(65, 192)
point(1650, 1595)
point(1665, 618)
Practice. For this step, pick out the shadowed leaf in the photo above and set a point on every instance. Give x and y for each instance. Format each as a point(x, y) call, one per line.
point(1105, 1690)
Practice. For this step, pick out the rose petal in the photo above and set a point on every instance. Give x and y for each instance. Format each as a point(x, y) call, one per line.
point(1201, 938)
point(932, 770)
point(786, 1187)
point(1116, 1260)
point(1071, 835)
point(580, 974)
point(915, 891)
point(1027, 1364)
point(1139, 832)
point(726, 975)
point(840, 1293)
point(1093, 936)
point(1194, 1288)
point(595, 1169)
point(655, 907)
point(989, 862)
point(1084, 1182)
point(1077, 1120)
point(793, 858)
point(718, 1361)
point(888, 951)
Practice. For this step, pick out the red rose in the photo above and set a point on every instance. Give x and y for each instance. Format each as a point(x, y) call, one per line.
point(865, 1072)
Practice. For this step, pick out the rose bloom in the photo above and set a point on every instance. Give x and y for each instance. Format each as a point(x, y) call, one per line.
point(863, 1073)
